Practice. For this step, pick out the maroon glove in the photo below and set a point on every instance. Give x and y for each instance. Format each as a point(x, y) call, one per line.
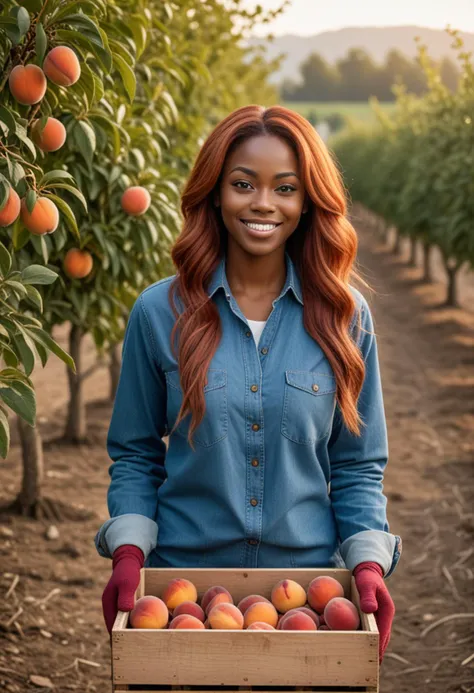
point(119, 595)
point(375, 597)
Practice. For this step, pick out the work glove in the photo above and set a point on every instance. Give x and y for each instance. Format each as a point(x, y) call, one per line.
point(375, 599)
point(119, 594)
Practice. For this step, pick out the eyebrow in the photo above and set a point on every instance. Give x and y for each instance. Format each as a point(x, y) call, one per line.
point(255, 175)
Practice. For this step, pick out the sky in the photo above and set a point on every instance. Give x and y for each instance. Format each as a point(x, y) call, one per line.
point(308, 17)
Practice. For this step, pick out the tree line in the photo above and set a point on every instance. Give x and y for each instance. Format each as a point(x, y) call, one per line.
point(356, 77)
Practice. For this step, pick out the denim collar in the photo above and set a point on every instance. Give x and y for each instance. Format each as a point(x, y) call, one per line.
point(219, 279)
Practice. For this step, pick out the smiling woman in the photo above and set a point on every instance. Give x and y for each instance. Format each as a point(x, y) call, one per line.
point(277, 435)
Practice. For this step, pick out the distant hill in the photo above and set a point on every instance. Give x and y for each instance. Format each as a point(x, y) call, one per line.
point(377, 41)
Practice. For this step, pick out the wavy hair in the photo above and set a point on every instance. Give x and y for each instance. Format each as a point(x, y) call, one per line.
point(323, 248)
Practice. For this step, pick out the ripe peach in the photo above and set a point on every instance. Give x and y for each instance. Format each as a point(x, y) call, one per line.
point(210, 593)
point(190, 608)
point(51, 138)
point(221, 598)
point(135, 200)
point(186, 621)
point(27, 84)
point(321, 590)
point(304, 610)
point(226, 616)
point(261, 611)
point(297, 621)
point(61, 66)
point(244, 603)
point(11, 210)
point(179, 590)
point(43, 219)
point(288, 594)
point(341, 614)
point(78, 263)
point(149, 612)
point(260, 625)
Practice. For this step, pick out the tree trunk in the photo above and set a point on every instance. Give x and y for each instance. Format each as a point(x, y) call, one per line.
point(75, 431)
point(452, 293)
point(413, 252)
point(32, 456)
point(114, 370)
point(397, 246)
point(427, 272)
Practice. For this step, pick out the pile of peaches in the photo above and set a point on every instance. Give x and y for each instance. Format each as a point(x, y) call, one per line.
point(322, 606)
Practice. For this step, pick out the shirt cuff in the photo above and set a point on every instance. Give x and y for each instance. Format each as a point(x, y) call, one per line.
point(130, 528)
point(372, 545)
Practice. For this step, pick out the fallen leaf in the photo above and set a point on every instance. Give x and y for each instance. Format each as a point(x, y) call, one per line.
point(41, 681)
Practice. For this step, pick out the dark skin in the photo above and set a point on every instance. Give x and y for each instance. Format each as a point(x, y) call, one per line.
point(256, 266)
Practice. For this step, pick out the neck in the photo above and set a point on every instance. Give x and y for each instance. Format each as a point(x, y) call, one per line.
point(255, 276)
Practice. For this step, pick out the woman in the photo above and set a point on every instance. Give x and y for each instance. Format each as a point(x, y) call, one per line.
point(272, 399)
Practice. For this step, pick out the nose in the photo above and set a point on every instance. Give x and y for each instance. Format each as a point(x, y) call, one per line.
point(262, 202)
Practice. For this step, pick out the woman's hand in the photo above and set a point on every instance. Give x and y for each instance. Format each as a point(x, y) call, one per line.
point(119, 594)
point(375, 598)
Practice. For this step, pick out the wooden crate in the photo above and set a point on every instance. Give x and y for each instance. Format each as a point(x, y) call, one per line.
point(228, 660)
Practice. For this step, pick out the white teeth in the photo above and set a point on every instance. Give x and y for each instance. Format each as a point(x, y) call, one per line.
point(260, 227)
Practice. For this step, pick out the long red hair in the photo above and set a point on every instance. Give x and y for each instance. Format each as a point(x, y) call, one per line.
point(323, 248)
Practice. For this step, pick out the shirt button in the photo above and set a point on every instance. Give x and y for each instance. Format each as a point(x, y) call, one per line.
point(254, 388)
point(254, 463)
point(264, 350)
point(248, 334)
point(315, 387)
point(255, 427)
point(253, 501)
point(253, 542)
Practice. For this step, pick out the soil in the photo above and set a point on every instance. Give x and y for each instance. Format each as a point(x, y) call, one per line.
point(50, 589)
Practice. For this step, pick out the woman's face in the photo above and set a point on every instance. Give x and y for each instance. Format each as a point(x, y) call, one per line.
point(261, 185)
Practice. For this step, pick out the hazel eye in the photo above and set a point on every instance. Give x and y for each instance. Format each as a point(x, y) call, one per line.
point(290, 187)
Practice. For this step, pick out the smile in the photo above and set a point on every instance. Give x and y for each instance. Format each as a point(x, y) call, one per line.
point(260, 227)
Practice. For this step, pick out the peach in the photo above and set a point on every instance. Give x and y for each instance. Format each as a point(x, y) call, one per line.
point(297, 621)
point(321, 590)
point(244, 603)
point(261, 611)
point(43, 219)
point(190, 608)
point(61, 66)
point(78, 263)
point(11, 209)
point(221, 598)
point(304, 610)
point(210, 593)
point(149, 612)
point(135, 200)
point(179, 590)
point(260, 625)
point(341, 614)
point(186, 621)
point(288, 594)
point(226, 616)
point(51, 138)
point(27, 84)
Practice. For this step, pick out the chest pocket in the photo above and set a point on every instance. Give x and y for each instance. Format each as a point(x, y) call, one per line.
point(214, 425)
point(308, 406)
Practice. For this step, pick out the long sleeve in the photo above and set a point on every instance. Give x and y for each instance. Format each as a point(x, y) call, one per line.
point(357, 469)
point(135, 442)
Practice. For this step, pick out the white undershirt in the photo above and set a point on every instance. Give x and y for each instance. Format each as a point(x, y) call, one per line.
point(257, 328)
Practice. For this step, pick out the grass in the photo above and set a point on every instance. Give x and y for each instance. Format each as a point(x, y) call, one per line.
point(358, 110)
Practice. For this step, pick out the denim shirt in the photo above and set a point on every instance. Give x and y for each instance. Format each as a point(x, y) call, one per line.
point(276, 479)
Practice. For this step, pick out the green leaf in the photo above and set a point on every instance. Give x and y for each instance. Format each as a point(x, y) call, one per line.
point(77, 39)
point(5, 260)
point(26, 352)
point(68, 213)
point(7, 117)
point(41, 43)
point(37, 274)
point(21, 134)
point(57, 174)
point(74, 191)
point(21, 399)
point(43, 338)
point(39, 244)
point(30, 200)
point(10, 27)
point(4, 434)
point(32, 5)
point(85, 139)
point(22, 19)
point(35, 297)
point(127, 74)
point(16, 287)
point(21, 236)
point(4, 192)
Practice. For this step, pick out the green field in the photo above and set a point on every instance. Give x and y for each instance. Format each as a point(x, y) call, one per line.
point(359, 111)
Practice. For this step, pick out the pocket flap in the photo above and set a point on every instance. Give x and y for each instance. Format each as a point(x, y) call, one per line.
point(216, 377)
point(313, 383)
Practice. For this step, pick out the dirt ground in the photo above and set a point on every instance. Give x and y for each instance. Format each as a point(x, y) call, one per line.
point(50, 589)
